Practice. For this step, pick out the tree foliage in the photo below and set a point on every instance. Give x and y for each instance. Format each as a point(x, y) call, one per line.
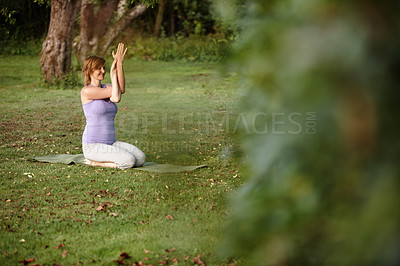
point(19, 20)
point(193, 17)
point(180, 18)
point(320, 84)
point(29, 19)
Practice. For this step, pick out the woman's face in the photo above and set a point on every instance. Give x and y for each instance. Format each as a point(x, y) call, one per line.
point(98, 73)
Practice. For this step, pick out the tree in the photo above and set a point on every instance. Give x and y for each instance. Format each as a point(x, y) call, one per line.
point(55, 57)
point(159, 18)
point(98, 30)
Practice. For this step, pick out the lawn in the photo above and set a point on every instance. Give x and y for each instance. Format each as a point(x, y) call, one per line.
point(178, 113)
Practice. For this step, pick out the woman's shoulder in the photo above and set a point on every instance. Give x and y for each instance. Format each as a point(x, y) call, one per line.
point(89, 87)
point(86, 87)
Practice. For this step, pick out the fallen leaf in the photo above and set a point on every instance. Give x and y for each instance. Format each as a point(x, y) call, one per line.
point(60, 246)
point(121, 258)
point(64, 254)
point(119, 262)
point(146, 251)
point(170, 250)
point(100, 208)
point(169, 217)
point(124, 255)
point(26, 262)
point(197, 260)
point(114, 214)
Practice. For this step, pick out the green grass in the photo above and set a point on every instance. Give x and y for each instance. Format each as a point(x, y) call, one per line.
point(178, 113)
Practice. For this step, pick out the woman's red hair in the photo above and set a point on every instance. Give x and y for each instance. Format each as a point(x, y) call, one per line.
point(91, 63)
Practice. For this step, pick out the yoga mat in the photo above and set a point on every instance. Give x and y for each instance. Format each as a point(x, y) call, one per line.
point(148, 166)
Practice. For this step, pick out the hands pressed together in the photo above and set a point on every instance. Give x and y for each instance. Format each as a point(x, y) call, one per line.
point(117, 70)
point(120, 54)
point(119, 57)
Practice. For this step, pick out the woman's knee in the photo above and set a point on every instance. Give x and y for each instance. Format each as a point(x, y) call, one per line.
point(140, 159)
point(126, 161)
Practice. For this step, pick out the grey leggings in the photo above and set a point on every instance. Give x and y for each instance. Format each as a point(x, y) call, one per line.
point(125, 155)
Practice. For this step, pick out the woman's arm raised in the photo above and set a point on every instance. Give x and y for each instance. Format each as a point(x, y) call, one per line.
point(115, 90)
point(120, 56)
point(121, 77)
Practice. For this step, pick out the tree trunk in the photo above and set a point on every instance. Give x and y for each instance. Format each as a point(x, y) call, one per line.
point(93, 26)
point(159, 18)
point(114, 31)
point(121, 8)
point(86, 29)
point(172, 19)
point(97, 32)
point(104, 16)
point(55, 57)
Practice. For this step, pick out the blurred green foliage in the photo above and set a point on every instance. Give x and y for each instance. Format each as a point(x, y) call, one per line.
point(320, 79)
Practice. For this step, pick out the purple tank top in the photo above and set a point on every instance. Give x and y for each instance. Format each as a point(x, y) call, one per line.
point(100, 116)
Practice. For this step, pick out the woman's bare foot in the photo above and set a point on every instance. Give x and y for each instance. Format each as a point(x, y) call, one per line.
point(101, 164)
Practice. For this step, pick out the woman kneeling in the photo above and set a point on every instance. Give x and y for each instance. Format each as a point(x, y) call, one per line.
point(99, 144)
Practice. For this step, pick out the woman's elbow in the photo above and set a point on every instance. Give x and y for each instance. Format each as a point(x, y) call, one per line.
point(115, 99)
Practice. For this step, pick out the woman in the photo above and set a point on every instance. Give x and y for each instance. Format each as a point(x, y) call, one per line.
point(99, 144)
